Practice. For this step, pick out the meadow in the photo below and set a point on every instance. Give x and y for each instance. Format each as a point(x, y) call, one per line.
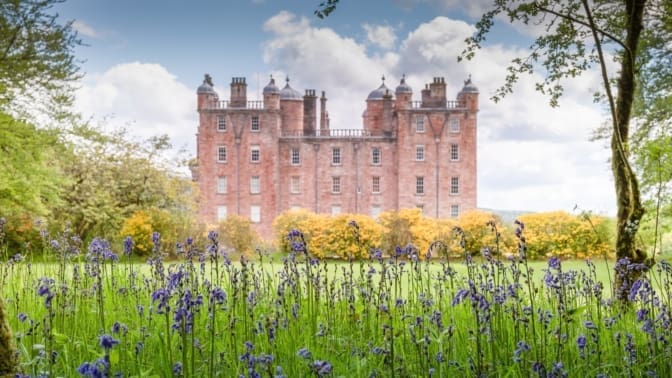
point(96, 313)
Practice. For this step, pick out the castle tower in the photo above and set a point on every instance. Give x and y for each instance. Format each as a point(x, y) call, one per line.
point(238, 92)
point(373, 115)
point(291, 109)
point(469, 95)
point(206, 95)
point(404, 94)
point(271, 96)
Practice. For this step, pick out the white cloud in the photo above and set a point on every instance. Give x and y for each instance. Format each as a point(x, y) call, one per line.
point(380, 35)
point(145, 99)
point(85, 29)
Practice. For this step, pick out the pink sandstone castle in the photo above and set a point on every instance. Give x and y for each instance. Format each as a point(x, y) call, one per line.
point(260, 158)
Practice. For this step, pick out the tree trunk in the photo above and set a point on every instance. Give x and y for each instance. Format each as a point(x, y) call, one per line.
point(630, 209)
point(8, 363)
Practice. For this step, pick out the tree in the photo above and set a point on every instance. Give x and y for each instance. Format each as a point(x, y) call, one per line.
point(37, 63)
point(29, 179)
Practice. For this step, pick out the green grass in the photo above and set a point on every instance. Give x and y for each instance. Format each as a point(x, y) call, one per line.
point(380, 318)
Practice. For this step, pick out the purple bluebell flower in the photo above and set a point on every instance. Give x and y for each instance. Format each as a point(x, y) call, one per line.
point(321, 368)
point(554, 263)
point(304, 353)
point(107, 342)
point(177, 369)
point(22, 317)
point(128, 246)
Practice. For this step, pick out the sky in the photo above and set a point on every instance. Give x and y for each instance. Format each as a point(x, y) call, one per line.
point(143, 60)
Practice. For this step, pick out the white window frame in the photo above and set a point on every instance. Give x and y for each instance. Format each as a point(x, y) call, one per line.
point(454, 125)
point(295, 156)
point(221, 154)
point(255, 154)
point(336, 184)
point(375, 211)
point(295, 184)
point(376, 156)
point(420, 124)
point(419, 185)
point(454, 211)
point(221, 123)
point(336, 158)
point(375, 184)
point(255, 124)
point(255, 184)
point(419, 152)
point(222, 185)
point(454, 152)
point(454, 185)
point(336, 210)
point(255, 214)
point(221, 213)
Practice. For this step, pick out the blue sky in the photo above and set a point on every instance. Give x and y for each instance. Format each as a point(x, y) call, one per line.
point(143, 60)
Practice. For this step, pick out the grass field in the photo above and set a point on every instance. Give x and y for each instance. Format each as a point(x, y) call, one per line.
point(206, 316)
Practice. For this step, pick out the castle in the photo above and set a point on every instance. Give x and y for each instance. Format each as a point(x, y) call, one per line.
point(260, 158)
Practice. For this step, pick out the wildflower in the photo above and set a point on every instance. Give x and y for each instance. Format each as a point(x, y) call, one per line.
point(521, 347)
point(107, 342)
point(128, 246)
point(459, 297)
point(641, 314)
point(22, 317)
point(177, 369)
point(321, 368)
point(304, 353)
point(554, 263)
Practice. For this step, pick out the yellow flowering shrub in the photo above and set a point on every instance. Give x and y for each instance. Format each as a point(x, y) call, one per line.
point(341, 238)
point(237, 234)
point(309, 223)
point(564, 235)
point(143, 223)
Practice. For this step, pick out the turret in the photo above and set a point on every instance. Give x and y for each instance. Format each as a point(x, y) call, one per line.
point(238, 92)
point(404, 94)
point(373, 116)
point(271, 95)
point(469, 95)
point(291, 108)
point(206, 94)
point(309, 112)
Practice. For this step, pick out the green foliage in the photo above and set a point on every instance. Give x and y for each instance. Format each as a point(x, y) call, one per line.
point(111, 177)
point(325, 8)
point(37, 63)
point(236, 233)
point(30, 178)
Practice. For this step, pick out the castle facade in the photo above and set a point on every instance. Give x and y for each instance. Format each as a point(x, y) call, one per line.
point(258, 159)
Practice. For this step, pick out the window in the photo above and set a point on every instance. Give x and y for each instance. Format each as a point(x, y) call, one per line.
point(455, 125)
point(375, 184)
point(419, 185)
point(420, 124)
point(375, 156)
point(454, 185)
point(295, 184)
point(255, 154)
point(336, 156)
point(336, 184)
point(254, 124)
point(420, 152)
point(421, 207)
point(255, 185)
point(296, 156)
point(255, 213)
point(221, 123)
point(454, 211)
point(221, 185)
point(221, 213)
point(375, 211)
point(221, 154)
point(454, 152)
point(335, 209)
